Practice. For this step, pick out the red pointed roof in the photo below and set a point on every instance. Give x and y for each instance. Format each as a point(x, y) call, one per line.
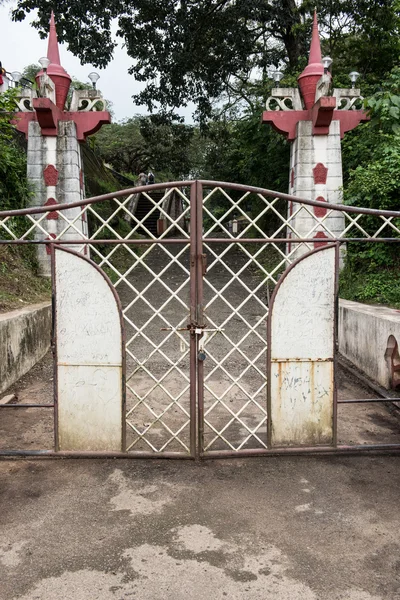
point(55, 71)
point(315, 48)
point(314, 70)
point(53, 53)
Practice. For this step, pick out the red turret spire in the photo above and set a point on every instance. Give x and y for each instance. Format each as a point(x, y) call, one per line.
point(315, 48)
point(53, 53)
point(314, 70)
point(55, 71)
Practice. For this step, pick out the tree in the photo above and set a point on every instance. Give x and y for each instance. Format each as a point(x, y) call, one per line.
point(14, 188)
point(122, 146)
point(195, 49)
point(372, 179)
point(148, 143)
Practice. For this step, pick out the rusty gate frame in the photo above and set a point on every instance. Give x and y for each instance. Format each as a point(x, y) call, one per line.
point(196, 325)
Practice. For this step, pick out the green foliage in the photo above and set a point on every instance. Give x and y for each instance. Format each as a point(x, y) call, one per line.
point(29, 73)
point(14, 189)
point(372, 272)
point(148, 143)
point(19, 283)
point(381, 287)
point(194, 50)
point(121, 146)
point(18, 266)
point(384, 106)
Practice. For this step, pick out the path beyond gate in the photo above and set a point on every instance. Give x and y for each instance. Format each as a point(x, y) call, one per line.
point(215, 336)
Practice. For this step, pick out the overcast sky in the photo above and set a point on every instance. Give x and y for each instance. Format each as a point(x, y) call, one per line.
point(20, 46)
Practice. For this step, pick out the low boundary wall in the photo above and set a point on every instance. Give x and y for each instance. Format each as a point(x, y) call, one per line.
point(364, 333)
point(365, 337)
point(24, 340)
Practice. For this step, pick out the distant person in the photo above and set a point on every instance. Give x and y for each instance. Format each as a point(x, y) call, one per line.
point(4, 82)
point(142, 180)
point(132, 204)
point(150, 178)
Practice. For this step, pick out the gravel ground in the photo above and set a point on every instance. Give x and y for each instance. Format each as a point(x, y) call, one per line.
point(265, 529)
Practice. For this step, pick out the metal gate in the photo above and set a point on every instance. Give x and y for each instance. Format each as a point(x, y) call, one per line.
point(200, 268)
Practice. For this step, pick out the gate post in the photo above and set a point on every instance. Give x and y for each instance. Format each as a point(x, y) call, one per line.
point(55, 134)
point(314, 121)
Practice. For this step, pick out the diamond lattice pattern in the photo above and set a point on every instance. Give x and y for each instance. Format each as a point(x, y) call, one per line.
point(153, 282)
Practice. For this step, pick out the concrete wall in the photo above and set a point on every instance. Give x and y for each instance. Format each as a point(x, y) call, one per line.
point(24, 340)
point(363, 337)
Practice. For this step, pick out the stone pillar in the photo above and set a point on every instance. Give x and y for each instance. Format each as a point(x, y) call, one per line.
point(71, 184)
point(55, 135)
point(55, 170)
point(314, 121)
point(316, 174)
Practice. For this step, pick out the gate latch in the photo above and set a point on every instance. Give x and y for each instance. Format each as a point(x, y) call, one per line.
point(204, 263)
point(199, 330)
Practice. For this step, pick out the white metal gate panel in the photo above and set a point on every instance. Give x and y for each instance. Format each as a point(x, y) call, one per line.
point(301, 351)
point(89, 355)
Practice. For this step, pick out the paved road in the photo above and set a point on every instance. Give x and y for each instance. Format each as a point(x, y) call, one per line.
point(265, 529)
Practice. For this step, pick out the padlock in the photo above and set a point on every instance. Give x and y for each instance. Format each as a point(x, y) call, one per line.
point(202, 355)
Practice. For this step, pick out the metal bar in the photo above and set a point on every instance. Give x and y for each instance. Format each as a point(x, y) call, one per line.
point(335, 345)
point(287, 360)
point(54, 341)
point(342, 449)
point(205, 183)
point(268, 372)
point(27, 405)
point(200, 314)
point(264, 192)
point(193, 338)
point(166, 241)
point(357, 449)
point(361, 400)
point(123, 369)
point(296, 240)
point(96, 241)
point(94, 200)
point(88, 364)
point(87, 454)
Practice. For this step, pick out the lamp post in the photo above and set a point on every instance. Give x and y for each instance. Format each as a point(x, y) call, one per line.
point(277, 76)
point(16, 76)
point(94, 77)
point(353, 78)
point(44, 63)
point(326, 61)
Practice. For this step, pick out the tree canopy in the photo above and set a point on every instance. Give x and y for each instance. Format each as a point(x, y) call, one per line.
point(194, 50)
point(14, 188)
point(219, 54)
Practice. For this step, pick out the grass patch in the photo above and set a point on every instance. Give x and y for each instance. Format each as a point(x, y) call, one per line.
point(120, 258)
point(20, 284)
point(268, 258)
point(381, 287)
